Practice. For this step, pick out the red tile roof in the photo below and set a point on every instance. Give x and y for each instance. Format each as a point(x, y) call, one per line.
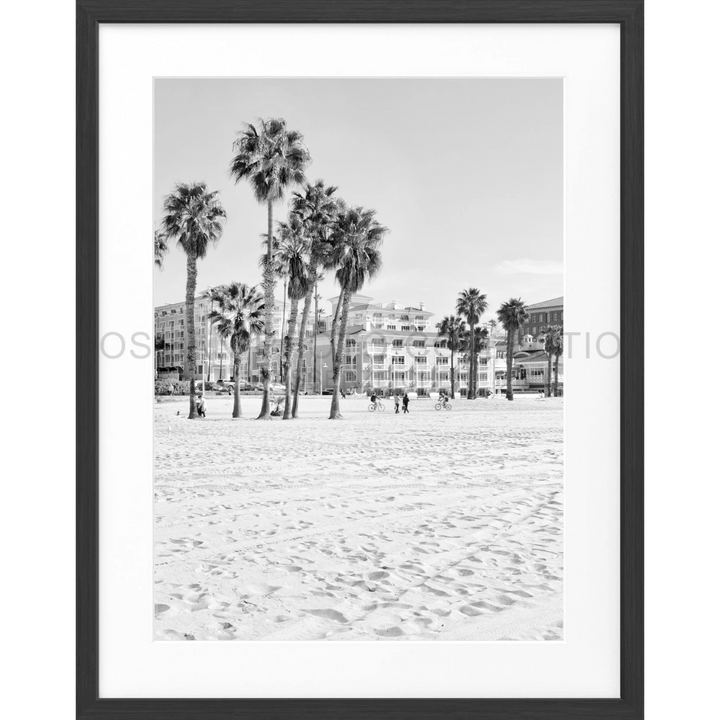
point(555, 302)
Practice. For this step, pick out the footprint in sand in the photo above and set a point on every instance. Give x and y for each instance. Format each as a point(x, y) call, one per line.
point(328, 613)
point(378, 575)
point(393, 631)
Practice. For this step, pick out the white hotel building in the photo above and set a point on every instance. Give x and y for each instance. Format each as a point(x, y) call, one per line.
point(393, 346)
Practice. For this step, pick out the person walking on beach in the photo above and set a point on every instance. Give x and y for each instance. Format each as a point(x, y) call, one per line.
point(397, 404)
point(406, 402)
point(201, 407)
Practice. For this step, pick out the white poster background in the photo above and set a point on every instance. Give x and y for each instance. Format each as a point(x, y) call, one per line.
point(587, 663)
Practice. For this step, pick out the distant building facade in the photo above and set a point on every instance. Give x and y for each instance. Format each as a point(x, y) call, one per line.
point(548, 312)
point(530, 356)
point(388, 347)
point(213, 356)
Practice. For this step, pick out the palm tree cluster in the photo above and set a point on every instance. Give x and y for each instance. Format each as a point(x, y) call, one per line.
point(321, 233)
point(463, 334)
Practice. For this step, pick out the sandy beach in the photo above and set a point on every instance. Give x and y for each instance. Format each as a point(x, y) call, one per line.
point(427, 526)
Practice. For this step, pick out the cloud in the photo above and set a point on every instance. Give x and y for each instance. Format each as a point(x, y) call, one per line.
point(526, 266)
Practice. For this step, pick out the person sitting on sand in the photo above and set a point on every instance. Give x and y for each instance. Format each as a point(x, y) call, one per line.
point(279, 405)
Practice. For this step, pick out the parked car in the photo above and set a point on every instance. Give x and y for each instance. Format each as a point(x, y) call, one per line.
point(276, 388)
point(224, 386)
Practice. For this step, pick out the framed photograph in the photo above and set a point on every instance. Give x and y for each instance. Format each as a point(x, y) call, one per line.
point(363, 433)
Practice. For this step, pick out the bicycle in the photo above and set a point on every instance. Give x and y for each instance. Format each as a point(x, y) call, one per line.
point(377, 405)
point(445, 405)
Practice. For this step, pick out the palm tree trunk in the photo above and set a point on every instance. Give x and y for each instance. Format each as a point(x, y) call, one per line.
point(237, 411)
point(555, 376)
point(301, 349)
point(190, 286)
point(317, 318)
point(283, 370)
point(509, 362)
point(452, 374)
point(269, 298)
point(289, 349)
point(334, 327)
point(471, 383)
point(549, 371)
point(337, 356)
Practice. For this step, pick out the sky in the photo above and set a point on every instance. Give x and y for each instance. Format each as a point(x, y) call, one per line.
point(465, 172)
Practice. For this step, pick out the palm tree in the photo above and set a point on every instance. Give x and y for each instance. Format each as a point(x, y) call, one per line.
point(356, 241)
point(318, 313)
point(318, 209)
point(293, 255)
point(470, 348)
point(512, 314)
point(452, 328)
point(549, 339)
point(161, 248)
point(159, 347)
point(472, 305)
point(193, 217)
point(238, 317)
point(272, 159)
point(557, 351)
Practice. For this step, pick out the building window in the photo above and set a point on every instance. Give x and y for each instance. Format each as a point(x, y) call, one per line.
point(419, 343)
point(405, 327)
point(350, 343)
point(421, 360)
point(350, 376)
point(397, 343)
point(482, 377)
point(391, 327)
point(349, 359)
point(397, 360)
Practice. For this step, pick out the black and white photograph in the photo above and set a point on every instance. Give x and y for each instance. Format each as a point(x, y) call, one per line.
point(358, 359)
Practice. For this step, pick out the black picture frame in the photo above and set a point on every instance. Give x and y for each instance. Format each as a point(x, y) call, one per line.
point(629, 15)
